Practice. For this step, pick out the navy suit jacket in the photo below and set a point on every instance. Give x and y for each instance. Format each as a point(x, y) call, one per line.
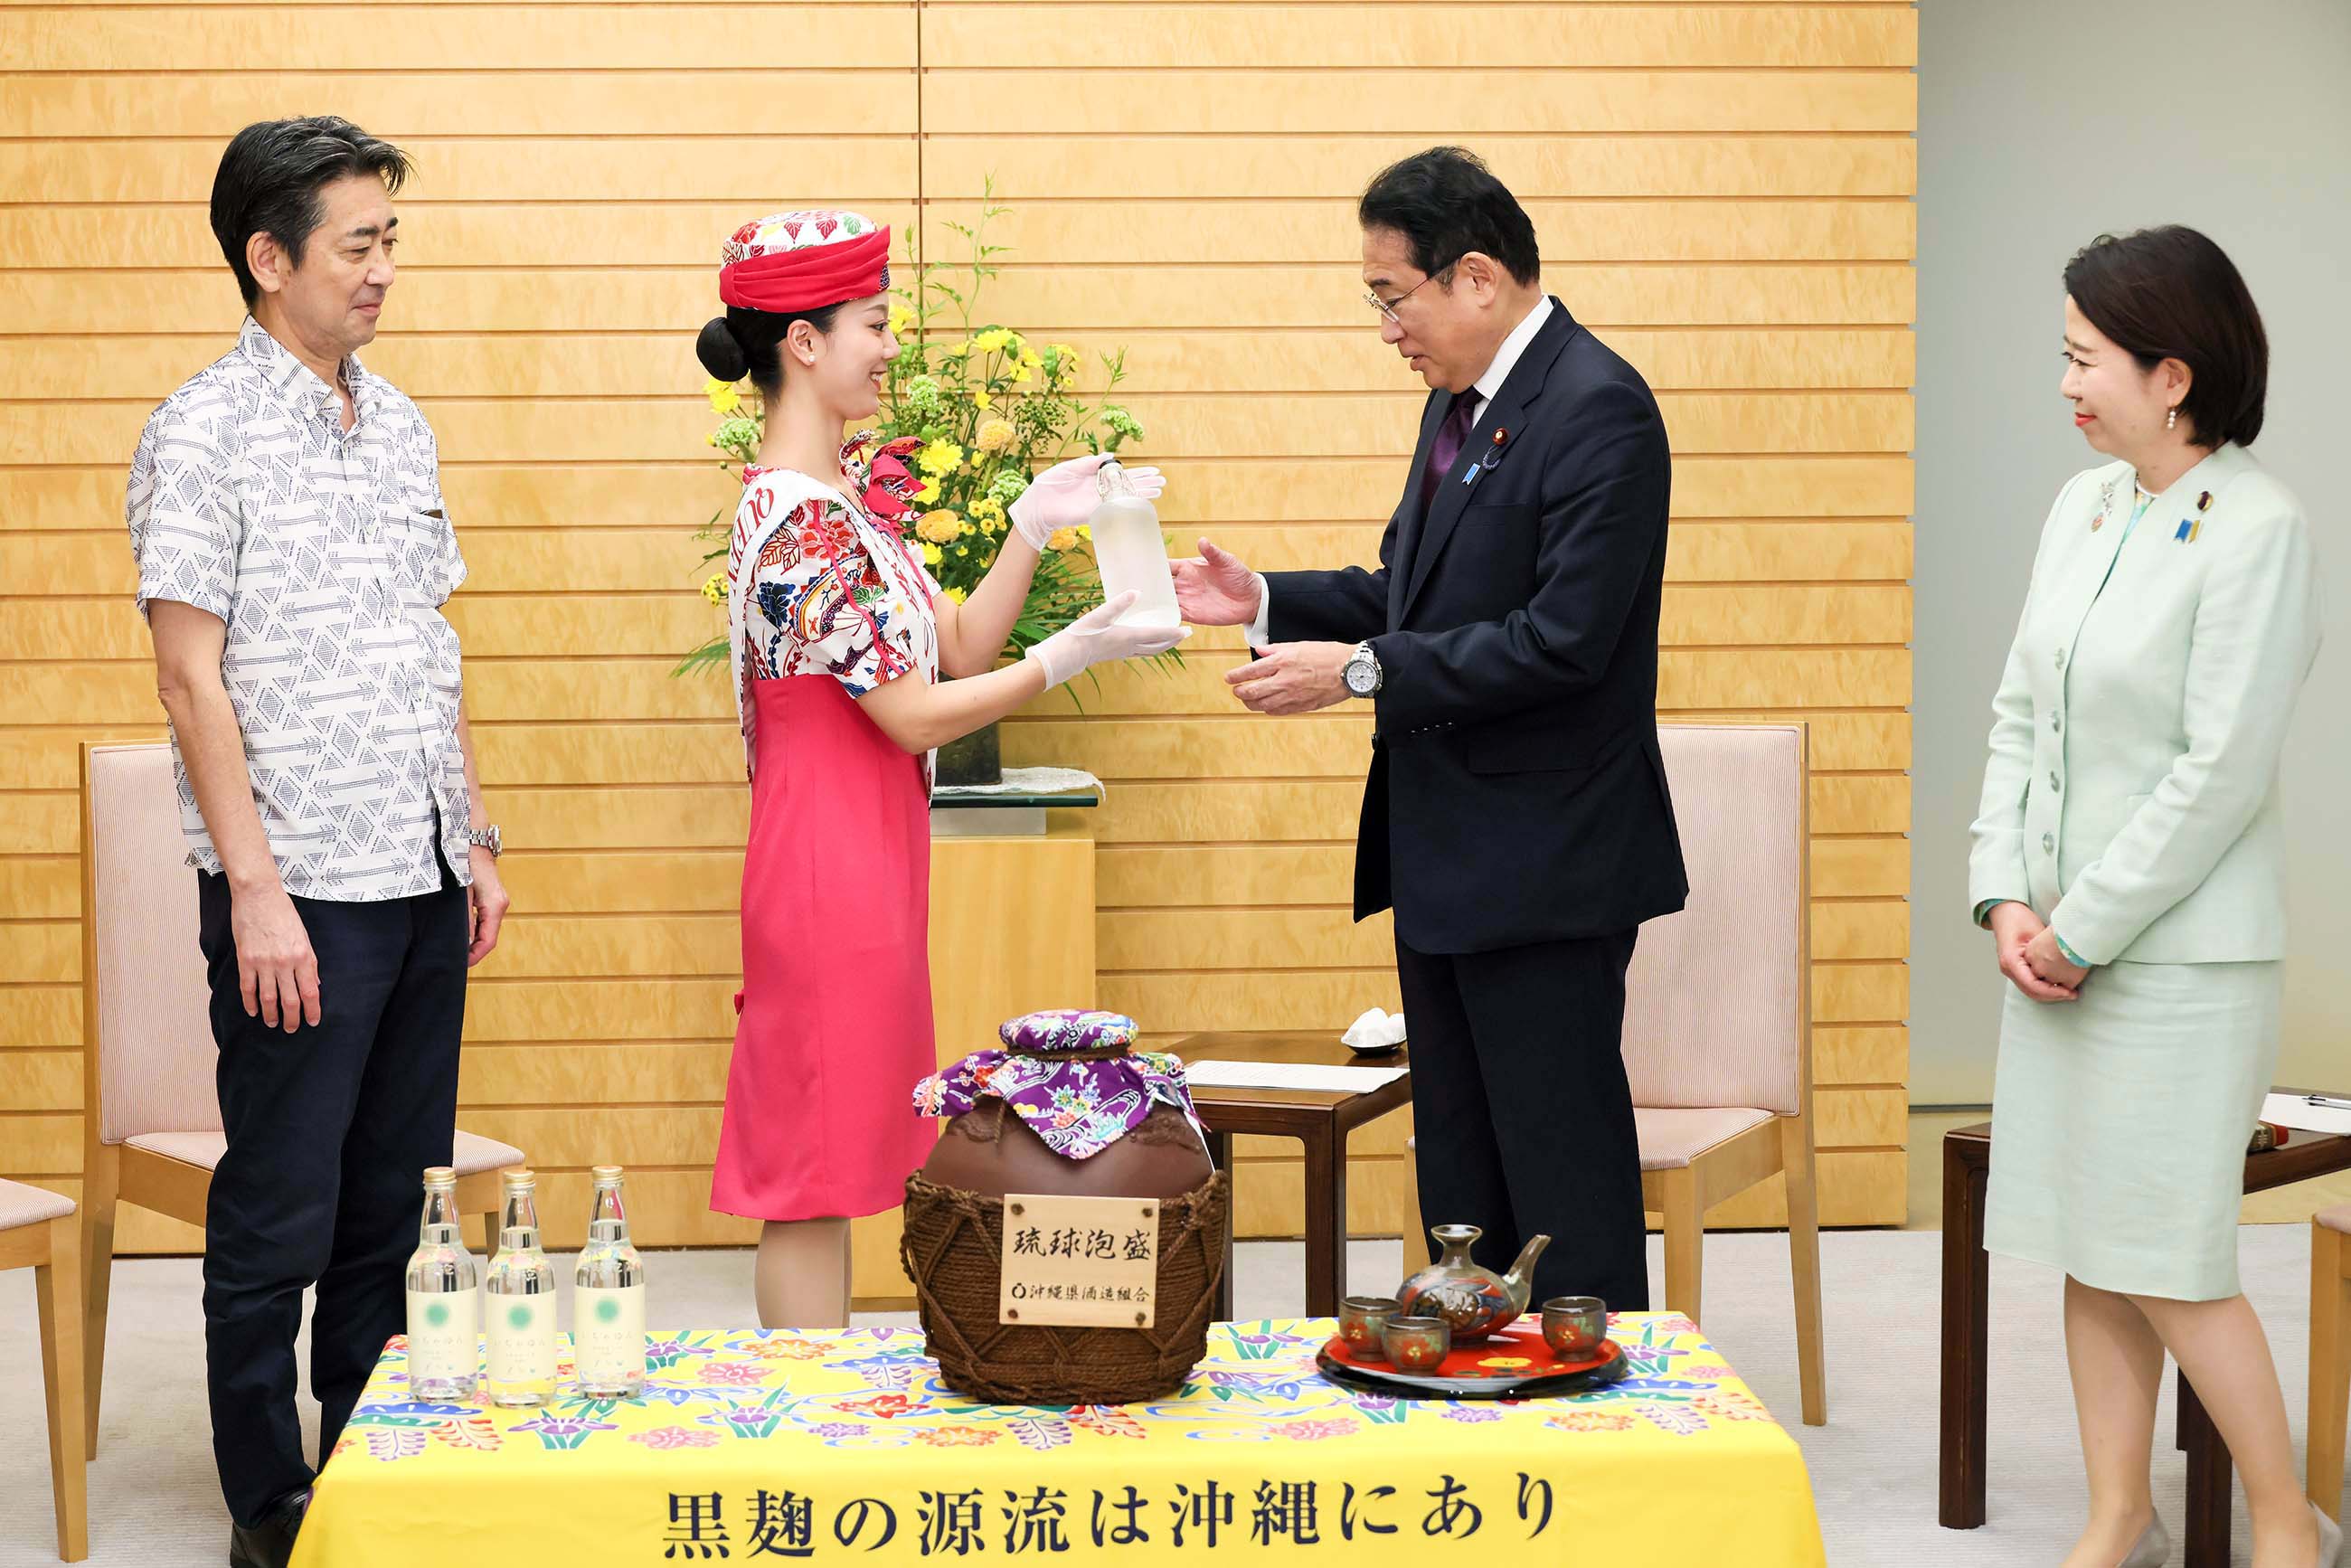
point(1517, 793)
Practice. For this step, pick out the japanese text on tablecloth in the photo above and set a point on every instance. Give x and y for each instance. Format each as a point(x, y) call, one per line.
point(1043, 1520)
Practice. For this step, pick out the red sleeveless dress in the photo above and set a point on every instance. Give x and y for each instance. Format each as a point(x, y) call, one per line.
point(835, 1025)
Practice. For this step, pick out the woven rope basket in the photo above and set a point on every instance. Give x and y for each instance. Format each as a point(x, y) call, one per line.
point(952, 1249)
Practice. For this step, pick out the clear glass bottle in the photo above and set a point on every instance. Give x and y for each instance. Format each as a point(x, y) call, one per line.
point(445, 1300)
point(608, 1300)
point(521, 1302)
point(1130, 551)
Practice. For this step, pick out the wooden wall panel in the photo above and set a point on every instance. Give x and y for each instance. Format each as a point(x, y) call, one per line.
point(1744, 233)
point(1723, 192)
point(563, 152)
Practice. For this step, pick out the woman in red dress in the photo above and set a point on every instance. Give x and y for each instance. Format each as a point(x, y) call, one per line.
point(840, 642)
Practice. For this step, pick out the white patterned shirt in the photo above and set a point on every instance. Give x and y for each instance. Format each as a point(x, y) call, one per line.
point(328, 555)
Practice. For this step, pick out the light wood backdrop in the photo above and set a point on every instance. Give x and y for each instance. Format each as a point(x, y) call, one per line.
point(1723, 192)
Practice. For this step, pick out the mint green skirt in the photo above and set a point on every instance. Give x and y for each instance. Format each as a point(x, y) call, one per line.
point(2119, 1124)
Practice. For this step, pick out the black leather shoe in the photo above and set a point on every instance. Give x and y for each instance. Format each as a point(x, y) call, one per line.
point(270, 1543)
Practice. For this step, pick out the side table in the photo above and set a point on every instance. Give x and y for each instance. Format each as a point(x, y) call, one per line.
point(1318, 1119)
point(1967, 1166)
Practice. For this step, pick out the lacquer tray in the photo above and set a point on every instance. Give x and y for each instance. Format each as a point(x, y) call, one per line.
point(1514, 1363)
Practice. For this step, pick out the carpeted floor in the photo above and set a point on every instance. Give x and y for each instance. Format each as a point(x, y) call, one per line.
point(153, 1500)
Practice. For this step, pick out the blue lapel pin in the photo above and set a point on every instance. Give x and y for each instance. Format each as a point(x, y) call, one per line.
point(1493, 458)
point(2195, 526)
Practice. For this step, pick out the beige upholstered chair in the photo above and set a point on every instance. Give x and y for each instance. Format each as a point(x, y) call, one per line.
point(1718, 1013)
point(39, 1231)
point(2330, 1354)
point(151, 1129)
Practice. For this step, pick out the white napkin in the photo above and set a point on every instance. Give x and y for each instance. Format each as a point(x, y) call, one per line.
point(1377, 1030)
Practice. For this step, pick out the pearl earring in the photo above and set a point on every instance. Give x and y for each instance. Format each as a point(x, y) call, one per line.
point(2172, 419)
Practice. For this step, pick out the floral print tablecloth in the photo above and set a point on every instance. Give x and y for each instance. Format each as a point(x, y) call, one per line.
point(845, 1447)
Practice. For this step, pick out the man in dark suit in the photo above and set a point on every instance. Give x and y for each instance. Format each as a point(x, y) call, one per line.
point(1516, 816)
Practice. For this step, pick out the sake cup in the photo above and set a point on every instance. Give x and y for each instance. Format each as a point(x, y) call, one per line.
point(1574, 1326)
point(1416, 1344)
point(1361, 1319)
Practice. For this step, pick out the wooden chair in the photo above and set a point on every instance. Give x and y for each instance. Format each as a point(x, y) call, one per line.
point(1717, 1015)
point(151, 1118)
point(40, 1231)
point(2330, 1355)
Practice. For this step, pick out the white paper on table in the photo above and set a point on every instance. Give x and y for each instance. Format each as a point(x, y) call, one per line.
point(2291, 1111)
point(1288, 1075)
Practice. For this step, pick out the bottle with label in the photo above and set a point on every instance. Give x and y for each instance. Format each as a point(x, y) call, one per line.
point(445, 1298)
point(521, 1302)
point(608, 1300)
point(1131, 552)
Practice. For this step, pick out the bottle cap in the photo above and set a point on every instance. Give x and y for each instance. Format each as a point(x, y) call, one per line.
point(606, 1176)
point(440, 1175)
point(517, 1179)
point(1109, 479)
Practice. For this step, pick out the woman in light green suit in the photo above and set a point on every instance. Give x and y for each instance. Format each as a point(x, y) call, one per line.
point(2128, 859)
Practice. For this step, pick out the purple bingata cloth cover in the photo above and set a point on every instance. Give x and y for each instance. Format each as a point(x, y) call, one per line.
point(1078, 1108)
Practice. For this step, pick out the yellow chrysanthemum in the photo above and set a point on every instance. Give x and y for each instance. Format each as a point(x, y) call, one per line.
point(931, 556)
point(942, 527)
point(1031, 357)
point(939, 457)
point(955, 595)
point(725, 397)
point(901, 318)
point(713, 588)
point(928, 493)
point(997, 435)
point(984, 401)
point(995, 337)
point(1021, 375)
point(1063, 540)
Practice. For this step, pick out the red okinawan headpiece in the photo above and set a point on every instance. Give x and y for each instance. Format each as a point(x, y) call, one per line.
point(804, 261)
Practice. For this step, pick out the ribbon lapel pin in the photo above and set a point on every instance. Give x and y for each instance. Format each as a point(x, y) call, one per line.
point(1493, 458)
point(2191, 527)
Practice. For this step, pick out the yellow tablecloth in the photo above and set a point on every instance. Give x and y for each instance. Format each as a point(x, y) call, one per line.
point(845, 1448)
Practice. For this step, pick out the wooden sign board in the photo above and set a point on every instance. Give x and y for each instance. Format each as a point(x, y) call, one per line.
point(1080, 1262)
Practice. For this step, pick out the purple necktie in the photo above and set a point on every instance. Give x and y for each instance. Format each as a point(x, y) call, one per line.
point(1451, 437)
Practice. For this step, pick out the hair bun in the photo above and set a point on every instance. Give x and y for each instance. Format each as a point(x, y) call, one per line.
point(721, 351)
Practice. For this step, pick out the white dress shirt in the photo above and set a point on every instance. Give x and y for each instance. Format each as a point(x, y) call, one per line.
point(1506, 359)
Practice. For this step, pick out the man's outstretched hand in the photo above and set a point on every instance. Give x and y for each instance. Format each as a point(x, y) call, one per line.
point(1293, 678)
point(1215, 589)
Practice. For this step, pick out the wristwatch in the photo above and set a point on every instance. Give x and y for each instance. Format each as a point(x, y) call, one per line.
point(1362, 671)
point(485, 839)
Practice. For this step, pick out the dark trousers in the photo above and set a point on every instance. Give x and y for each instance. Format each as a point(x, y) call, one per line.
point(1522, 1117)
point(330, 1129)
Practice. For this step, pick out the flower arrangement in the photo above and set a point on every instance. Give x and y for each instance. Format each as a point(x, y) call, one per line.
point(990, 409)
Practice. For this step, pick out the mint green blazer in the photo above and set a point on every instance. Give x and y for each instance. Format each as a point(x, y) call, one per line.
point(2131, 797)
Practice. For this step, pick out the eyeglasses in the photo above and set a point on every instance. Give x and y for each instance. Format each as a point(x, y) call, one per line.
point(1387, 307)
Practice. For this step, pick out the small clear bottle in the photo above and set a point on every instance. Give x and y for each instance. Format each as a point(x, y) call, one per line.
point(608, 1300)
point(445, 1298)
point(521, 1302)
point(1130, 551)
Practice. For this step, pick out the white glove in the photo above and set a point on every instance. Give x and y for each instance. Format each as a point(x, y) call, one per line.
point(1065, 495)
point(1096, 636)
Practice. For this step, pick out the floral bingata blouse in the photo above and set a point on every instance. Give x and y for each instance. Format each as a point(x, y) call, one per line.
point(820, 585)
